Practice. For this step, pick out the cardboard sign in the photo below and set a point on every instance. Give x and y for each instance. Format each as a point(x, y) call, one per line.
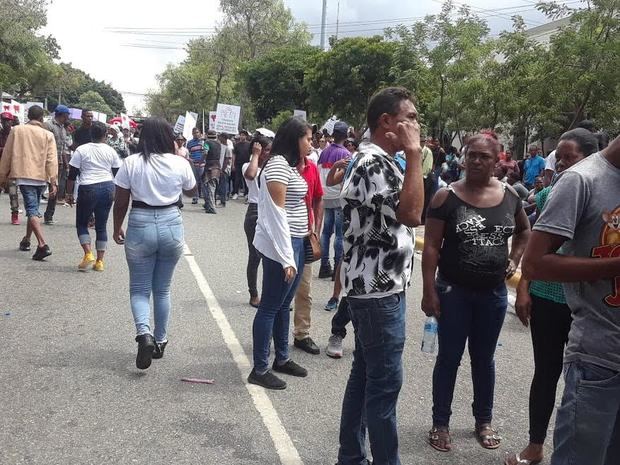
point(301, 114)
point(212, 118)
point(32, 104)
point(75, 113)
point(178, 126)
point(227, 118)
point(190, 123)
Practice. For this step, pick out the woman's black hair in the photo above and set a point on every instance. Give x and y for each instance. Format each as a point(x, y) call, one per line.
point(264, 141)
point(156, 136)
point(98, 131)
point(286, 142)
point(585, 140)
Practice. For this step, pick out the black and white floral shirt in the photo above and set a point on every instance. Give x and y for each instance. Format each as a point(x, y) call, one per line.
point(378, 250)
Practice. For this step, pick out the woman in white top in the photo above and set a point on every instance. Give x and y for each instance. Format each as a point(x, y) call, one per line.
point(280, 231)
point(154, 178)
point(95, 163)
point(261, 148)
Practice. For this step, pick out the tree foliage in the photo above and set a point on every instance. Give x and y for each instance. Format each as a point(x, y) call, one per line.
point(91, 100)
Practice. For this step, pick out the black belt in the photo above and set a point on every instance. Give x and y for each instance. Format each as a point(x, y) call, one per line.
point(139, 204)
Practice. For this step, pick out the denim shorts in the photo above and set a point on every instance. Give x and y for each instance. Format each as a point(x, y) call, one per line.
point(32, 199)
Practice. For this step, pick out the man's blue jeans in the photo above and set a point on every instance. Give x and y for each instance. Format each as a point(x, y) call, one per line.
point(476, 317)
point(375, 381)
point(273, 314)
point(198, 172)
point(153, 246)
point(587, 425)
point(332, 223)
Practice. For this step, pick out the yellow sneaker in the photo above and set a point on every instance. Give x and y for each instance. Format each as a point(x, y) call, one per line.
point(86, 262)
point(98, 266)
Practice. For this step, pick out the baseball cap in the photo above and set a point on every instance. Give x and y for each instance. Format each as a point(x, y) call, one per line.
point(7, 115)
point(341, 127)
point(61, 109)
point(211, 134)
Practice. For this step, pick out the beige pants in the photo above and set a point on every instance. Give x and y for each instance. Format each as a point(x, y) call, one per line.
point(303, 305)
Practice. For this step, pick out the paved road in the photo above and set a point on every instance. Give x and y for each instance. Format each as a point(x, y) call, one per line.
point(70, 392)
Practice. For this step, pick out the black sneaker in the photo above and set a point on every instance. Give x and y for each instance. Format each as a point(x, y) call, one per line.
point(159, 350)
point(268, 380)
point(24, 245)
point(146, 347)
point(325, 272)
point(290, 368)
point(42, 252)
point(307, 345)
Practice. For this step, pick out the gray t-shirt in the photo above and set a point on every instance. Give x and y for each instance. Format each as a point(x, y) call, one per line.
point(584, 207)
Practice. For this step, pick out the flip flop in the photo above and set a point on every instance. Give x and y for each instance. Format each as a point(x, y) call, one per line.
point(520, 461)
point(482, 438)
point(433, 437)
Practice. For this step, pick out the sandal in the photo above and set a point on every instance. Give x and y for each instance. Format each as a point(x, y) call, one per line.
point(484, 439)
point(515, 459)
point(436, 435)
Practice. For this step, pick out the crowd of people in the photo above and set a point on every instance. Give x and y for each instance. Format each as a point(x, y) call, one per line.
point(361, 195)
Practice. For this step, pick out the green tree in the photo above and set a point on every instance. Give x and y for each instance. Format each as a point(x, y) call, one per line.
point(344, 78)
point(276, 81)
point(91, 100)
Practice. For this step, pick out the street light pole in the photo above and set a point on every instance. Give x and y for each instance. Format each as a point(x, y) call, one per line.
point(323, 21)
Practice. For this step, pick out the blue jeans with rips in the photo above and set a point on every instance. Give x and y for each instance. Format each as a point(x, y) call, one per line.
point(474, 316)
point(273, 314)
point(153, 245)
point(374, 383)
point(332, 224)
point(587, 425)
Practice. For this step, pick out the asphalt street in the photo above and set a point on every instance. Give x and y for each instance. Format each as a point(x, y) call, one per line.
point(71, 394)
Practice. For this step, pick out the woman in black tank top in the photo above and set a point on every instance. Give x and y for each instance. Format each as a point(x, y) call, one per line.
point(466, 237)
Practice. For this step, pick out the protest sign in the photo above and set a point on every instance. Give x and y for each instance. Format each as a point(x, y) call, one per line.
point(32, 104)
point(212, 118)
point(227, 118)
point(301, 114)
point(124, 121)
point(75, 113)
point(178, 126)
point(190, 123)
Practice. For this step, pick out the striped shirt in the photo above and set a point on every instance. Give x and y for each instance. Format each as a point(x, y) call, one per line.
point(278, 170)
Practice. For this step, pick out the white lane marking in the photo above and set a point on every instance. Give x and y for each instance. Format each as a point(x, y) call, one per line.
point(282, 441)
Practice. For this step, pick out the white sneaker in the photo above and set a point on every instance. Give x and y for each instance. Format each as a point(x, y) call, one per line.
point(235, 197)
point(334, 346)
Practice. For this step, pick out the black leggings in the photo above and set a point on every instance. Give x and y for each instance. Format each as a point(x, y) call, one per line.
point(249, 225)
point(549, 324)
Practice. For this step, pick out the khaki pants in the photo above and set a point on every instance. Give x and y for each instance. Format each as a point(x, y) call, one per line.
point(303, 305)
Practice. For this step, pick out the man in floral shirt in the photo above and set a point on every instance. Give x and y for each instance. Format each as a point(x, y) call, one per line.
point(381, 204)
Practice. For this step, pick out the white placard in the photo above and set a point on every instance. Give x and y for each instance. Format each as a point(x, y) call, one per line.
point(178, 126)
point(227, 118)
point(212, 118)
point(103, 118)
point(190, 123)
point(300, 113)
point(124, 121)
point(32, 104)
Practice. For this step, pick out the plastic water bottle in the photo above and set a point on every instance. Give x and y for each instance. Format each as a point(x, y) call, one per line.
point(429, 340)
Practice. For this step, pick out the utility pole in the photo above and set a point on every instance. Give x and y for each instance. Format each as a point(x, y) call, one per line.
point(338, 20)
point(323, 21)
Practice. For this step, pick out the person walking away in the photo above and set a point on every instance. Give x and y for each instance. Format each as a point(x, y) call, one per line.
point(197, 152)
point(381, 205)
point(6, 121)
point(241, 155)
point(30, 158)
point(576, 241)
point(57, 127)
point(261, 149)
point(331, 201)
point(226, 160)
point(533, 167)
point(213, 169)
point(281, 229)
point(541, 305)
point(154, 179)
point(95, 163)
point(303, 298)
point(466, 238)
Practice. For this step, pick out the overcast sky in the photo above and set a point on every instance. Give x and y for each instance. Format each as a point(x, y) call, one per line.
point(130, 62)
